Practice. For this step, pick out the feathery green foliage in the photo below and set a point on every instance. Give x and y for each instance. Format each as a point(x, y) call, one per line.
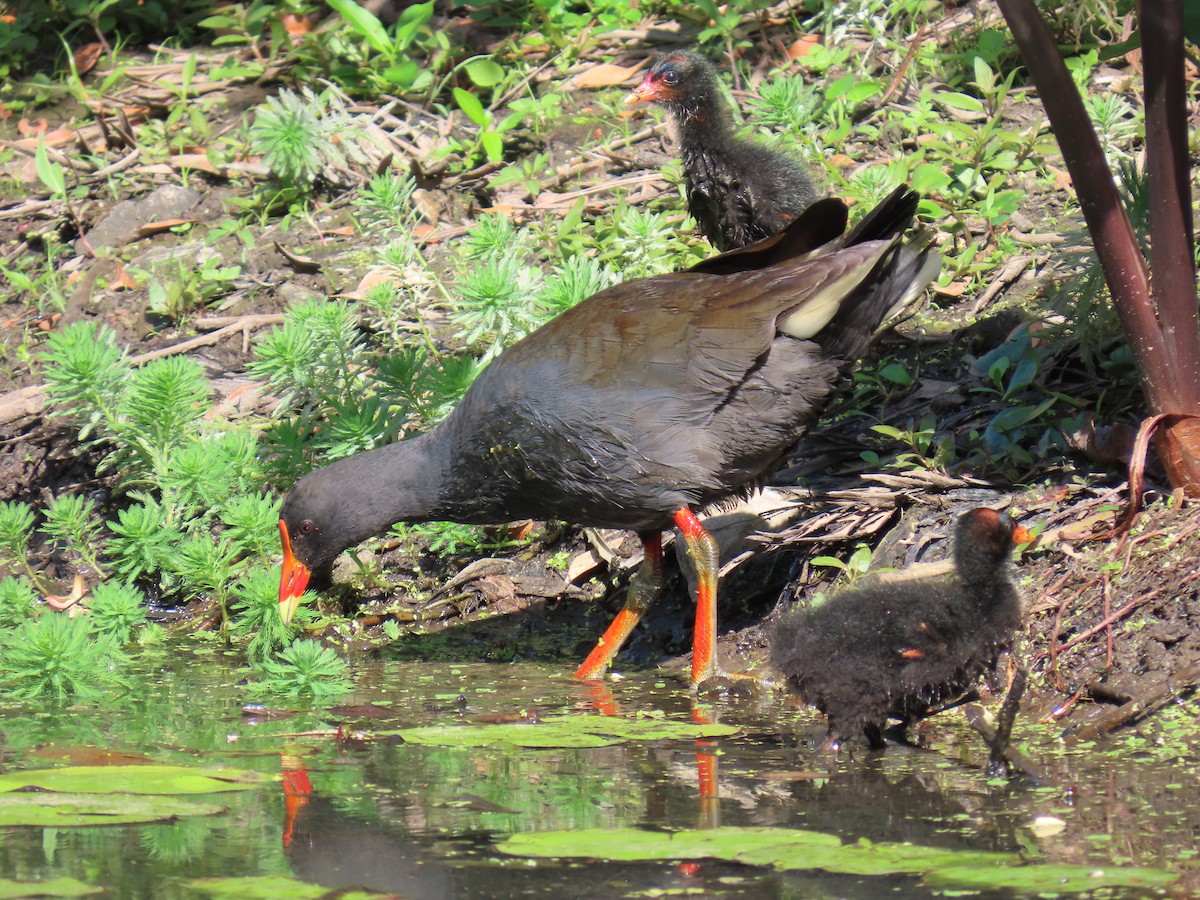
point(116, 610)
point(303, 135)
point(58, 658)
point(306, 669)
point(17, 598)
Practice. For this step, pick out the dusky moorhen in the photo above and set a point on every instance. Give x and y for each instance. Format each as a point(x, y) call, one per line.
point(738, 191)
point(900, 643)
point(647, 401)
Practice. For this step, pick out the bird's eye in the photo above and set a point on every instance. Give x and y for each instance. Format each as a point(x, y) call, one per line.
point(308, 526)
point(671, 76)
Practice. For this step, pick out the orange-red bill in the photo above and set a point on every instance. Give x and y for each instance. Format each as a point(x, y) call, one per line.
point(293, 579)
point(1021, 535)
point(644, 93)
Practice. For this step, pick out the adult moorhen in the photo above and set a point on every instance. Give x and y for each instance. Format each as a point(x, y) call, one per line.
point(901, 643)
point(647, 401)
point(738, 191)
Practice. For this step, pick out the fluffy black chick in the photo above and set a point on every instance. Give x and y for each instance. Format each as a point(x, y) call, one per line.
point(901, 643)
point(738, 191)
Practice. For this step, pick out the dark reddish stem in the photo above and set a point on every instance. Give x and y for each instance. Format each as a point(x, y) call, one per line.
point(1173, 278)
point(1112, 235)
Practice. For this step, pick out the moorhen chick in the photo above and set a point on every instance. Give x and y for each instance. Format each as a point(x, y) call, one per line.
point(738, 191)
point(901, 643)
point(643, 404)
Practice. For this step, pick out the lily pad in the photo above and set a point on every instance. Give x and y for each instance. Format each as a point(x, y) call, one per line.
point(73, 810)
point(785, 848)
point(54, 887)
point(169, 780)
point(562, 732)
point(1046, 879)
point(269, 887)
point(637, 844)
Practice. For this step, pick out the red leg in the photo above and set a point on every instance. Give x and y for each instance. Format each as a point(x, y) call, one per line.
point(644, 589)
point(702, 547)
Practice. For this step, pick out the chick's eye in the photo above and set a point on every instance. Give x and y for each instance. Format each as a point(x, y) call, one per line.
point(308, 526)
point(670, 76)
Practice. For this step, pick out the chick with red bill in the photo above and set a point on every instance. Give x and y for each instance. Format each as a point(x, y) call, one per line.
point(738, 191)
point(900, 644)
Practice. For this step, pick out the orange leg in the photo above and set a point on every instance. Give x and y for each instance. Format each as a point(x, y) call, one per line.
point(644, 589)
point(702, 547)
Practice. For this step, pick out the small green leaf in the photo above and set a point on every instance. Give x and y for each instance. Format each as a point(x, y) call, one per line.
point(1047, 879)
point(493, 145)
point(402, 74)
point(485, 72)
point(470, 105)
point(366, 24)
point(410, 20)
point(965, 102)
point(896, 374)
point(831, 561)
point(50, 173)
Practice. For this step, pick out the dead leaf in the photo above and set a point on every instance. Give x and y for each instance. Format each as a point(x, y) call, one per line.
point(496, 588)
point(71, 603)
point(424, 232)
point(344, 231)
point(123, 281)
point(370, 280)
point(602, 76)
point(953, 289)
point(196, 162)
point(152, 228)
point(1062, 179)
point(305, 265)
point(803, 46)
point(50, 322)
point(582, 566)
point(87, 56)
point(87, 756)
point(32, 128)
point(296, 24)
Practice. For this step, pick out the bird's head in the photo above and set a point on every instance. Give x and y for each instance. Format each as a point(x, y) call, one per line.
point(682, 82)
point(309, 525)
point(990, 532)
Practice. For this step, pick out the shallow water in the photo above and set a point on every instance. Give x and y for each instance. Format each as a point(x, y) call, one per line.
point(424, 821)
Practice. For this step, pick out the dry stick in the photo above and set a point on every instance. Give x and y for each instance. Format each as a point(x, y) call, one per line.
point(1004, 721)
point(1108, 621)
point(1160, 694)
point(1106, 591)
point(977, 719)
point(905, 63)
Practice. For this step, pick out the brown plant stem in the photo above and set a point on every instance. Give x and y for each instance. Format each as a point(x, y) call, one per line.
point(1159, 320)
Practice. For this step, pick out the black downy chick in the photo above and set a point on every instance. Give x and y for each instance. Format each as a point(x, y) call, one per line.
point(901, 643)
point(738, 191)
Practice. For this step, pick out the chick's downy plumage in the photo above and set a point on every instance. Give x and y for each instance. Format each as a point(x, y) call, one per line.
point(902, 643)
point(738, 191)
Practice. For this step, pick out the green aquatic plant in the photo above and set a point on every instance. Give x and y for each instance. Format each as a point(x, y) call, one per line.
point(255, 597)
point(17, 598)
point(58, 658)
point(16, 529)
point(306, 669)
point(117, 610)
